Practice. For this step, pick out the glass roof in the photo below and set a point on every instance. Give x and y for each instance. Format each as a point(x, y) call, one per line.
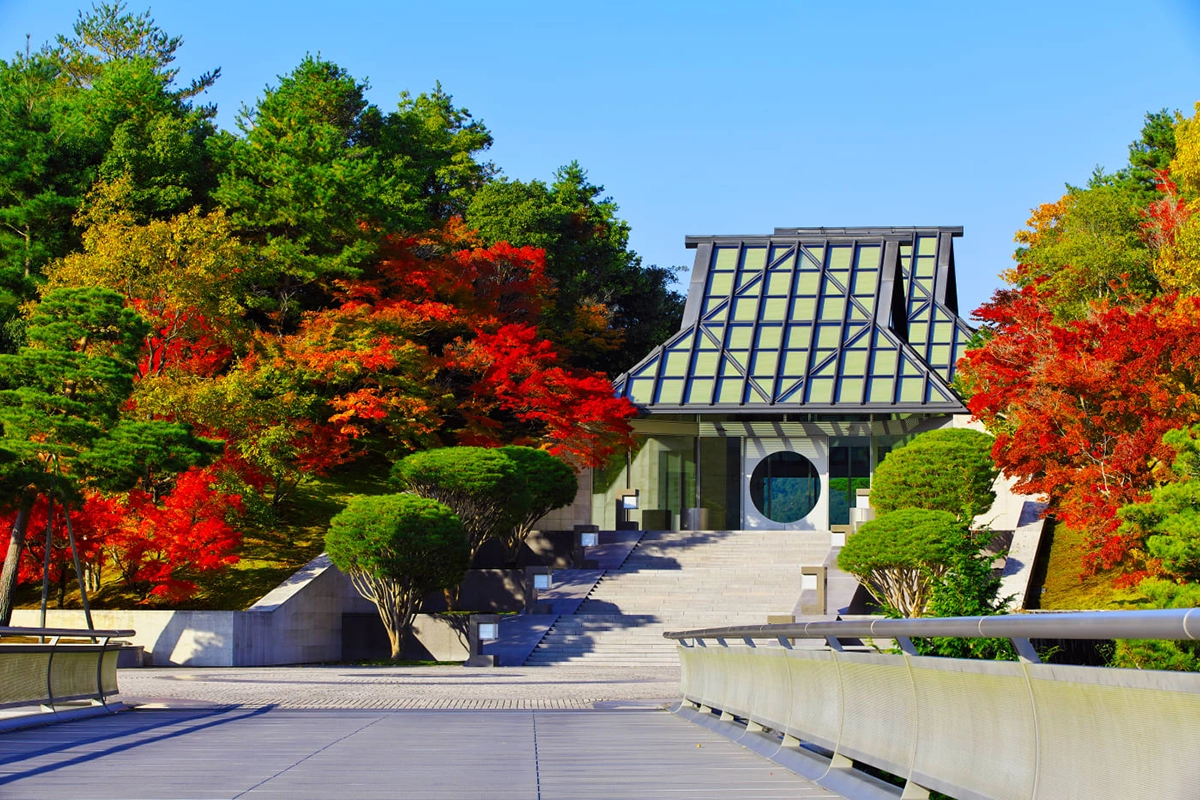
point(862, 318)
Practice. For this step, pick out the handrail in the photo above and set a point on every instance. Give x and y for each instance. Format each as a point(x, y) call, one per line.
point(81, 633)
point(1010, 730)
point(51, 671)
point(1171, 623)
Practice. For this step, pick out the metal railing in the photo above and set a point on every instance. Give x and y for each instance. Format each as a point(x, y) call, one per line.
point(64, 665)
point(968, 728)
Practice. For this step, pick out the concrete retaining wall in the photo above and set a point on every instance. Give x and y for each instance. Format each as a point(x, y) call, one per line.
point(298, 622)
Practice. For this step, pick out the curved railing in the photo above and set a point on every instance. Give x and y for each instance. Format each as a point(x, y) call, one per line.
point(52, 666)
point(968, 728)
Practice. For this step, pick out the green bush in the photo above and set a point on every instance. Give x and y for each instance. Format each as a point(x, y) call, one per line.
point(901, 557)
point(483, 486)
point(397, 549)
point(944, 470)
point(551, 484)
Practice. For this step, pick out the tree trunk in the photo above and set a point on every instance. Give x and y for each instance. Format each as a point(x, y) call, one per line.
point(8, 577)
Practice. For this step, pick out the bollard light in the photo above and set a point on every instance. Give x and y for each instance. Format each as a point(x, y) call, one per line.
point(489, 631)
point(589, 539)
point(541, 581)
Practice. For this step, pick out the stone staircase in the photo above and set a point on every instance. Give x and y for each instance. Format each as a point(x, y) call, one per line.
point(676, 580)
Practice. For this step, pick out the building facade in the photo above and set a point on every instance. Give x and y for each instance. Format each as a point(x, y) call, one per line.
point(803, 358)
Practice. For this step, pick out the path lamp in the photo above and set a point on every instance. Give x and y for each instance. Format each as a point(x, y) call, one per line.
point(483, 628)
point(537, 579)
point(585, 536)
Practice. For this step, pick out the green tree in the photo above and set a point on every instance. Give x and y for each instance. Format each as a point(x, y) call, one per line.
point(60, 398)
point(551, 484)
point(947, 470)
point(969, 588)
point(302, 185)
point(397, 549)
point(1160, 653)
point(483, 486)
point(601, 284)
point(903, 556)
point(433, 147)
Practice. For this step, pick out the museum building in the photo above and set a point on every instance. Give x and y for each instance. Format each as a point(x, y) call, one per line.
point(804, 357)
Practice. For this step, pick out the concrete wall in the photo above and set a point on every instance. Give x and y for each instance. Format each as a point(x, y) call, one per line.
point(297, 622)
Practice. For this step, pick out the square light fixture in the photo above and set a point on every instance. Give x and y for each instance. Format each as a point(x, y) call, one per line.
point(488, 631)
point(589, 539)
point(629, 501)
point(541, 581)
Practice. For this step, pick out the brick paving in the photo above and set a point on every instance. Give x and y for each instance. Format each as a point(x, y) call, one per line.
point(449, 687)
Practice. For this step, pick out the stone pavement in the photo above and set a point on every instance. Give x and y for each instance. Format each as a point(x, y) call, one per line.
point(403, 687)
point(387, 732)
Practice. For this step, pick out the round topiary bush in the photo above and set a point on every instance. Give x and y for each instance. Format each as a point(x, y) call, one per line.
point(397, 549)
point(946, 470)
point(901, 557)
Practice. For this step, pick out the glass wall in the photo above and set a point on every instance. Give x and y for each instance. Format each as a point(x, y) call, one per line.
point(721, 481)
point(849, 470)
point(662, 469)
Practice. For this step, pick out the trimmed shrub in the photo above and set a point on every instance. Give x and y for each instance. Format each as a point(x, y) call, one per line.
point(397, 549)
point(483, 486)
point(945, 470)
point(551, 484)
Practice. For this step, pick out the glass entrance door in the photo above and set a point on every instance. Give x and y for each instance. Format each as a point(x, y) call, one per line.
point(849, 470)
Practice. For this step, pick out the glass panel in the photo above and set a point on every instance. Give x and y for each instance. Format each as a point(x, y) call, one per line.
point(715, 334)
point(905, 257)
point(725, 257)
point(705, 364)
point(865, 281)
point(711, 304)
point(817, 254)
point(745, 308)
point(753, 396)
point(769, 337)
point(820, 390)
point(839, 258)
point(828, 366)
point(831, 287)
point(675, 365)
point(684, 344)
point(926, 245)
point(829, 336)
point(803, 308)
point(857, 313)
point(850, 390)
point(910, 369)
point(785, 487)
point(721, 314)
point(854, 362)
point(721, 482)
point(943, 333)
point(883, 362)
point(731, 367)
point(854, 330)
point(779, 284)
point(754, 258)
point(641, 390)
point(729, 390)
point(881, 390)
point(807, 282)
point(764, 364)
point(934, 394)
point(911, 390)
point(700, 390)
point(777, 252)
point(832, 309)
point(774, 308)
point(798, 336)
point(925, 268)
point(738, 337)
point(868, 256)
point(748, 282)
point(649, 368)
point(939, 355)
point(670, 390)
point(791, 393)
point(720, 284)
point(918, 332)
point(795, 362)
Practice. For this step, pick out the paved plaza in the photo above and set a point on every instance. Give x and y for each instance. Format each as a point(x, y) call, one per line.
point(389, 732)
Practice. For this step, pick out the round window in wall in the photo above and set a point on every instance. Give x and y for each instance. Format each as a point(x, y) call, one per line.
point(784, 487)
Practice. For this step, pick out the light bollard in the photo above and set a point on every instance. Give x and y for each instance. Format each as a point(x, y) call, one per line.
point(482, 628)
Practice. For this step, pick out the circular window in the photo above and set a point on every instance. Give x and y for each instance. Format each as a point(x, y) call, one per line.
point(784, 487)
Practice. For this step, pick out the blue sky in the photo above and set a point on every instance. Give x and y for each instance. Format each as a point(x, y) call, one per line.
point(710, 118)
